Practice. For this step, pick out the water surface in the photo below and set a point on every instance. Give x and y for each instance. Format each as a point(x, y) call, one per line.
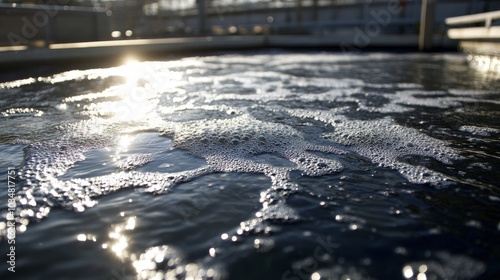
point(261, 165)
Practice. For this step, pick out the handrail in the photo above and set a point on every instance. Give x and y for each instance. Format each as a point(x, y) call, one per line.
point(51, 8)
point(475, 18)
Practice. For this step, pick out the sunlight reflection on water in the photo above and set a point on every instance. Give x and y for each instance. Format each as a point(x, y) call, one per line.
point(258, 160)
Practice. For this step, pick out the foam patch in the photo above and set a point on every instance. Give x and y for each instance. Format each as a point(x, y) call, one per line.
point(134, 161)
point(385, 142)
point(238, 139)
point(479, 131)
point(18, 112)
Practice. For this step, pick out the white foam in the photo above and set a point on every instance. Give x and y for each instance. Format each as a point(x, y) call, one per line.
point(134, 161)
point(229, 144)
point(17, 83)
point(385, 142)
point(18, 112)
point(479, 131)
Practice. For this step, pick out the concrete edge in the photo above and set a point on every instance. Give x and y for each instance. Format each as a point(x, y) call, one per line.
point(92, 50)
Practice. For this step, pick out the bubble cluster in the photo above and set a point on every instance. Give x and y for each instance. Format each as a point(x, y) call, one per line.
point(241, 136)
point(387, 143)
point(230, 144)
point(479, 131)
point(134, 161)
point(18, 112)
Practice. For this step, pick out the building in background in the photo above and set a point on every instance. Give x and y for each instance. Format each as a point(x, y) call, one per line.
point(33, 23)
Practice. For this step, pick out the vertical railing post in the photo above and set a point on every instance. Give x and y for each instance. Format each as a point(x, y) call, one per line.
point(202, 16)
point(298, 12)
point(426, 33)
point(488, 21)
point(48, 32)
point(315, 11)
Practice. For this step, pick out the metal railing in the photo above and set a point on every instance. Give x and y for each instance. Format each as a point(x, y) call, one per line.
point(487, 18)
point(488, 31)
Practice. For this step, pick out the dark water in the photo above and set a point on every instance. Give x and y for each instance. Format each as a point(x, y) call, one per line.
point(269, 165)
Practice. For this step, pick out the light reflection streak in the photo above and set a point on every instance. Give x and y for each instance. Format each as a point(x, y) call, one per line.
point(123, 143)
point(119, 240)
point(489, 65)
point(139, 94)
point(407, 272)
point(135, 100)
point(162, 261)
point(82, 237)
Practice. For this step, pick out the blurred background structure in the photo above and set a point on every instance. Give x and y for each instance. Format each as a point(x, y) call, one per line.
point(346, 24)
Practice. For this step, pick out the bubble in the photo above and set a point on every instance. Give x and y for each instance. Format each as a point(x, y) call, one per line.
point(479, 131)
point(134, 161)
point(20, 112)
point(385, 142)
point(250, 137)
